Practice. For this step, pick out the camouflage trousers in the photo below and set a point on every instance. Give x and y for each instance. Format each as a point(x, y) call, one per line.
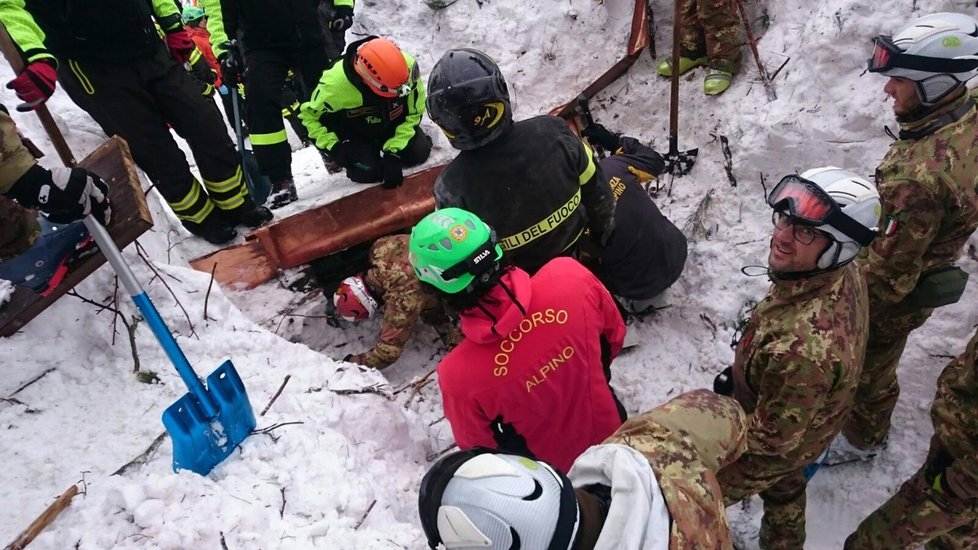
point(784, 497)
point(878, 390)
point(919, 515)
point(18, 228)
point(711, 27)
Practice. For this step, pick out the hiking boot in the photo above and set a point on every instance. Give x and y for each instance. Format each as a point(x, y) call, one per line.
point(44, 265)
point(686, 64)
point(214, 229)
point(716, 81)
point(283, 193)
point(249, 215)
point(841, 451)
point(331, 165)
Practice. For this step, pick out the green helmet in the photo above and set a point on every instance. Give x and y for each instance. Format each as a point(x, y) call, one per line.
point(452, 248)
point(192, 13)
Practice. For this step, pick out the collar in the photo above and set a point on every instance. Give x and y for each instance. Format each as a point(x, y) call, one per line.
point(786, 287)
point(939, 118)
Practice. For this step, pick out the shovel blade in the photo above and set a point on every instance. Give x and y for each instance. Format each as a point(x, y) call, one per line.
point(259, 186)
point(199, 442)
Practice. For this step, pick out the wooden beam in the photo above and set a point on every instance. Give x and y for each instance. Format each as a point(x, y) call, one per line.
point(130, 219)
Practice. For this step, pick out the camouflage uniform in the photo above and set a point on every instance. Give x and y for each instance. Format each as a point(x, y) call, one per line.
point(795, 372)
point(18, 225)
point(392, 279)
point(686, 441)
point(940, 502)
point(711, 27)
point(930, 208)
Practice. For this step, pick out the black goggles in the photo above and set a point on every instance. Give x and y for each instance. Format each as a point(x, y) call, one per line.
point(808, 204)
point(887, 55)
point(480, 261)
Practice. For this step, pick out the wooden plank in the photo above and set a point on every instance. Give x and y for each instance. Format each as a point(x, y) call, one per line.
point(130, 219)
point(351, 220)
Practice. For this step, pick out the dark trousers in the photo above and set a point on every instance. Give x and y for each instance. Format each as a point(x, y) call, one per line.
point(366, 164)
point(136, 100)
point(266, 72)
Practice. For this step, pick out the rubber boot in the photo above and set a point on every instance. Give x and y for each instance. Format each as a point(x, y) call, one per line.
point(44, 265)
point(686, 64)
point(249, 215)
point(214, 229)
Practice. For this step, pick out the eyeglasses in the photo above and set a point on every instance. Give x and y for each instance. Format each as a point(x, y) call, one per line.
point(804, 234)
point(807, 204)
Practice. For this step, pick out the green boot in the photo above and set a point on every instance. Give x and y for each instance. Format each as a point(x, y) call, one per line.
point(686, 64)
point(716, 81)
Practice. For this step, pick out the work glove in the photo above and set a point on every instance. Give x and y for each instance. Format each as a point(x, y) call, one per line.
point(342, 18)
point(180, 44)
point(331, 165)
point(601, 136)
point(340, 154)
point(723, 383)
point(35, 84)
point(232, 63)
point(393, 175)
point(64, 194)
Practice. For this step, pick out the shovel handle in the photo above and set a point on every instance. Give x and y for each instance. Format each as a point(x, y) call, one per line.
point(150, 313)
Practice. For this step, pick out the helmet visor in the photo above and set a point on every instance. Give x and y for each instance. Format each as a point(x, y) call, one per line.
point(808, 204)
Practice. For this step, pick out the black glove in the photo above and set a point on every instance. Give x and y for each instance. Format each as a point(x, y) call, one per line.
point(331, 165)
point(393, 176)
point(340, 153)
point(64, 194)
point(232, 63)
point(601, 136)
point(723, 384)
point(342, 18)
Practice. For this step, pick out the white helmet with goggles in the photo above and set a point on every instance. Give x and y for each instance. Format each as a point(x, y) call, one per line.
point(837, 202)
point(938, 52)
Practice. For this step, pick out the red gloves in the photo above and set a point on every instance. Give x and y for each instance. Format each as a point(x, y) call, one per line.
point(180, 45)
point(35, 85)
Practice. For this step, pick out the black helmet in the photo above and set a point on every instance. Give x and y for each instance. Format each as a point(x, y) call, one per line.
point(468, 99)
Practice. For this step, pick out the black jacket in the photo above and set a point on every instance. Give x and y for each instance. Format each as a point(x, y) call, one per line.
point(537, 186)
point(264, 23)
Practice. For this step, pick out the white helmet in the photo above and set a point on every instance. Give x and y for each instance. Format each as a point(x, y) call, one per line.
point(858, 199)
point(482, 498)
point(939, 52)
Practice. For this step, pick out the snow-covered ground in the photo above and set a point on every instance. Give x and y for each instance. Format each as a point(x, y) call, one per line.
point(310, 482)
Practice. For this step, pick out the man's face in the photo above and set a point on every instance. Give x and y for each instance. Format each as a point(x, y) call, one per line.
point(904, 95)
point(789, 251)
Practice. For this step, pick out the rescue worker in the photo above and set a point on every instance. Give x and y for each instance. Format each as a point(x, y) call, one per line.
point(134, 85)
point(930, 206)
point(651, 485)
point(936, 507)
point(646, 253)
point(271, 38)
point(710, 37)
point(365, 113)
point(195, 22)
point(390, 283)
point(28, 256)
point(797, 362)
point(335, 17)
point(532, 374)
point(529, 179)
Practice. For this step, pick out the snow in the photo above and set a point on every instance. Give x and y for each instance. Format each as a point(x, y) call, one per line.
point(308, 482)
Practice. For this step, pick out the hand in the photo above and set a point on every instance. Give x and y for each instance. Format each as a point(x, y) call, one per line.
point(601, 136)
point(232, 63)
point(331, 165)
point(342, 18)
point(180, 44)
point(340, 154)
point(35, 84)
point(64, 194)
point(393, 176)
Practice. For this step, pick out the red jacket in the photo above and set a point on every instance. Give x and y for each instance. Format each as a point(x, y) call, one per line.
point(202, 38)
point(536, 380)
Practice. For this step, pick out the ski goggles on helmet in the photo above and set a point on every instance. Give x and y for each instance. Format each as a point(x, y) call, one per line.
point(808, 204)
point(887, 55)
point(479, 262)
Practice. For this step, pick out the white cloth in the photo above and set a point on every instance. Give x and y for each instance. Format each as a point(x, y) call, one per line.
point(638, 518)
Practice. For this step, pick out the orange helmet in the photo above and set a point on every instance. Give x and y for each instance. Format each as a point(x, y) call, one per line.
point(381, 65)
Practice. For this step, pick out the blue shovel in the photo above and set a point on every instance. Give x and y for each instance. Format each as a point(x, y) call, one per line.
point(207, 423)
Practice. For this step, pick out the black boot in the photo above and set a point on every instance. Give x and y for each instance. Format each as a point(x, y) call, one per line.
point(249, 214)
point(283, 192)
point(214, 229)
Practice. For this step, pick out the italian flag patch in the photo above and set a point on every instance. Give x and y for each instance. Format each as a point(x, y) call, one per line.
point(889, 226)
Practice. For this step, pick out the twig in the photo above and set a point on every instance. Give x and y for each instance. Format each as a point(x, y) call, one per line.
point(438, 454)
point(94, 303)
point(277, 393)
point(141, 252)
point(973, 252)
point(373, 388)
point(46, 518)
point(775, 74)
point(364, 516)
point(765, 79)
point(31, 381)
point(131, 329)
point(281, 509)
point(207, 296)
point(728, 160)
point(695, 224)
point(414, 383)
point(143, 457)
point(275, 426)
point(224, 544)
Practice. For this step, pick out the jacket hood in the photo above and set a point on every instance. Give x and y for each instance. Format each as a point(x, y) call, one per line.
point(497, 313)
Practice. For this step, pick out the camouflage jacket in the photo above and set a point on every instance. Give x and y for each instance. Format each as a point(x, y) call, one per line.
point(686, 441)
point(929, 188)
point(955, 421)
point(15, 159)
point(797, 366)
point(392, 279)
point(18, 225)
